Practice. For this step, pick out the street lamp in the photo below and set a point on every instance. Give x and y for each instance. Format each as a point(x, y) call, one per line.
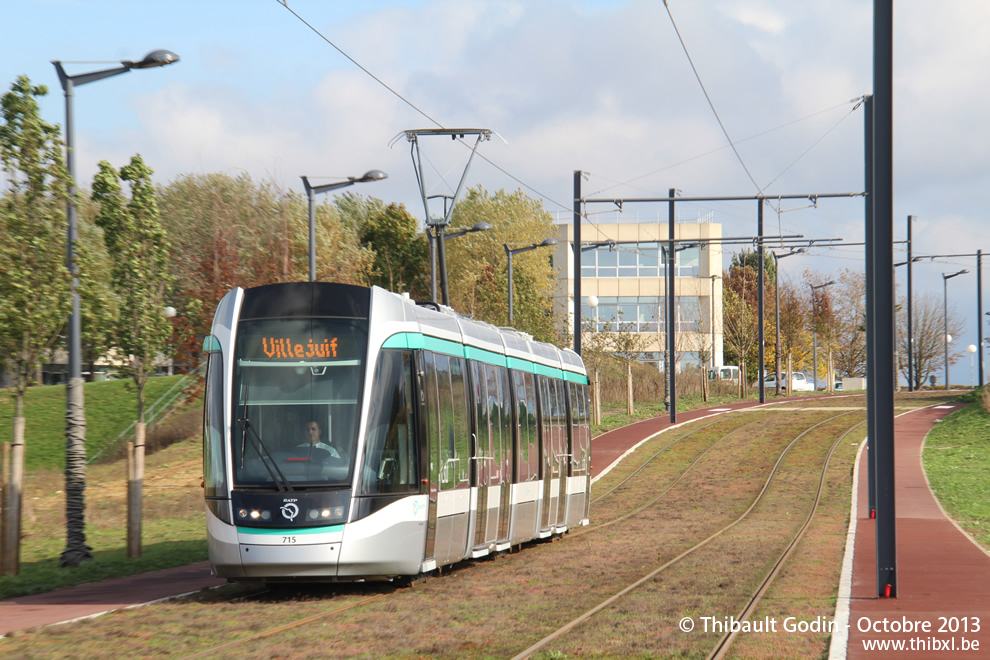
point(814, 330)
point(440, 239)
point(547, 242)
point(776, 289)
point(370, 175)
point(75, 411)
point(971, 349)
point(945, 317)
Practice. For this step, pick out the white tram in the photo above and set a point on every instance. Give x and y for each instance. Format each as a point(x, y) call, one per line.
point(439, 438)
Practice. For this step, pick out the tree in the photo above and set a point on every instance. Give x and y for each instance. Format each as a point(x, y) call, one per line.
point(742, 330)
point(794, 338)
point(141, 279)
point(401, 253)
point(478, 267)
point(230, 231)
point(928, 336)
point(822, 322)
point(850, 324)
point(98, 302)
point(34, 280)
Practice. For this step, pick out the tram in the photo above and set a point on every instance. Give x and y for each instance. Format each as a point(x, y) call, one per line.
point(351, 433)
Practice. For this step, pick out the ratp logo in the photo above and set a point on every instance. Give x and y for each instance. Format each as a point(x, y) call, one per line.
point(417, 507)
point(290, 511)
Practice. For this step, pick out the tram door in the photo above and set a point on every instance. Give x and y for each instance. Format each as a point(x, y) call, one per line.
point(493, 452)
point(555, 457)
point(448, 434)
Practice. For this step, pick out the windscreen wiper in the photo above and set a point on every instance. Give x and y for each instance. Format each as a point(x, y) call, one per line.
point(259, 445)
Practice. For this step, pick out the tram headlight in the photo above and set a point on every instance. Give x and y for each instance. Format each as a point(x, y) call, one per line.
point(326, 513)
point(242, 513)
point(255, 514)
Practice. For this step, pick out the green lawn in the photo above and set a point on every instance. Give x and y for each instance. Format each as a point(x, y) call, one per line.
point(110, 407)
point(957, 461)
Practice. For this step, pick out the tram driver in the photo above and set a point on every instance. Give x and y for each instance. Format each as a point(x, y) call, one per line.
point(312, 439)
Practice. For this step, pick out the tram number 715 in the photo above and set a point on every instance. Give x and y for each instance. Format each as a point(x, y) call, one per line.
point(288, 539)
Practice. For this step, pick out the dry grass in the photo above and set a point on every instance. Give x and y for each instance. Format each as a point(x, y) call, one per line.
point(498, 607)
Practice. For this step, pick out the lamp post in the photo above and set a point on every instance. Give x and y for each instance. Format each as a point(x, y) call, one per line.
point(75, 411)
point(370, 175)
point(971, 349)
point(945, 318)
point(814, 330)
point(547, 242)
point(440, 239)
point(776, 290)
point(712, 319)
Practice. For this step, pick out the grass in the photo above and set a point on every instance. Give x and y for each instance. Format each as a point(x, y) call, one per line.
point(957, 459)
point(173, 531)
point(173, 527)
point(111, 406)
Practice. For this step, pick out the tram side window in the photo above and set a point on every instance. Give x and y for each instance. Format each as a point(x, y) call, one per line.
point(447, 419)
point(581, 428)
point(390, 462)
point(528, 467)
point(500, 418)
point(214, 473)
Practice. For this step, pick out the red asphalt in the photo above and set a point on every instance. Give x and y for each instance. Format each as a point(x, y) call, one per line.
point(941, 573)
point(943, 577)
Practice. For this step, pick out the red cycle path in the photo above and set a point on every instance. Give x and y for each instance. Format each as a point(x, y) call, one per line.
point(941, 573)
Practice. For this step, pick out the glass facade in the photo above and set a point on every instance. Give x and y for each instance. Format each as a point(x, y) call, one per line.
point(642, 313)
point(638, 260)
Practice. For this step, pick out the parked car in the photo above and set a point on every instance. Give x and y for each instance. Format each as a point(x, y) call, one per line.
point(801, 383)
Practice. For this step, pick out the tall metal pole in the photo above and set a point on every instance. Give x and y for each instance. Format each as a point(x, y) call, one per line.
point(310, 195)
point(508, 253)
point(945, 326)
point(776, 290)
point(671, 258)
point(760, 304)
point(979, 309)
point(883, 302)
point(871, 405)
point(910, 341)
point(577, 262)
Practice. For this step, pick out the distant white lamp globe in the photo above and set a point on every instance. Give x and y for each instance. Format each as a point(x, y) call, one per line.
point(592, 301)
point(971, 348)
point(170, 312)
point(948, 339)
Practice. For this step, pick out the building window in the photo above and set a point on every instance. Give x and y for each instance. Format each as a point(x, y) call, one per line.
point(642, 260)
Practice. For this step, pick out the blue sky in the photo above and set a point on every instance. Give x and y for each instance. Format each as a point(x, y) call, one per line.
point(604, 87)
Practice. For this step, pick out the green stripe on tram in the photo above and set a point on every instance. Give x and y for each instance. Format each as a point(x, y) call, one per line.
point(416, 340)
point(296, 531)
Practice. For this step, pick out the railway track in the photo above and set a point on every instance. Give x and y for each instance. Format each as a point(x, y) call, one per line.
point(724, 642)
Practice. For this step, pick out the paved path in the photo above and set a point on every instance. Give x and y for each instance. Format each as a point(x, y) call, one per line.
point(943, 577)
point(95, 598)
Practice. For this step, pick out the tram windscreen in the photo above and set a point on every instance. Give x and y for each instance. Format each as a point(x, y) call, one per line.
point(296, 401)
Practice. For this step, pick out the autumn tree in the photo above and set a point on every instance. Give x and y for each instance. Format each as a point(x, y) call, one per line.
point(822, 322)
point(141, 279)
point(477, 265)
point(34, 279)
point(849, 324)
point(231, 231)
point(401, 253)
point(794, 338)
